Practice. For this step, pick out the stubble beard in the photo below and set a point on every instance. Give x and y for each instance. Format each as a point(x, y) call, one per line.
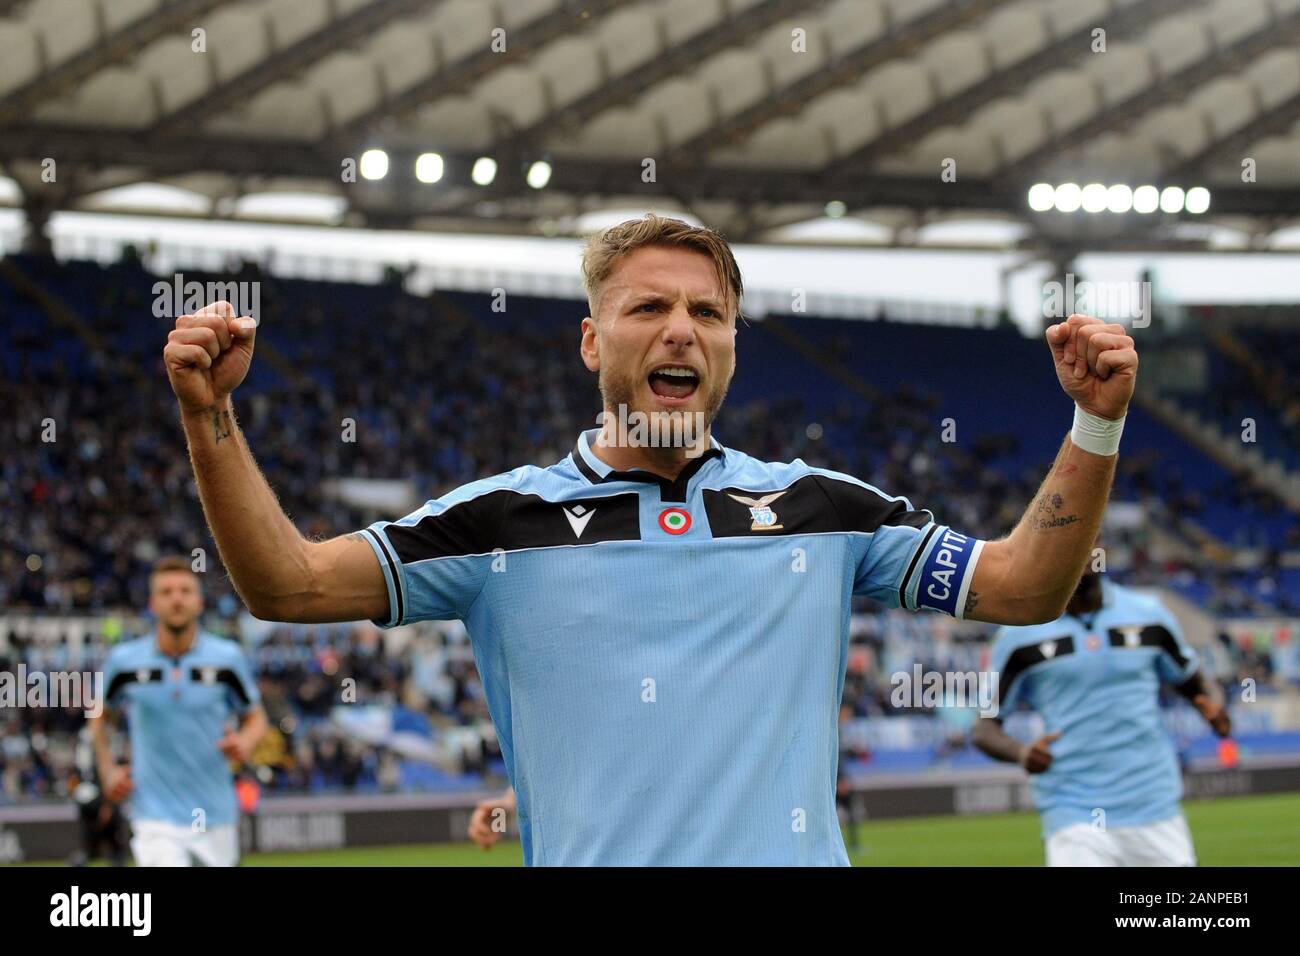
point(620, 390)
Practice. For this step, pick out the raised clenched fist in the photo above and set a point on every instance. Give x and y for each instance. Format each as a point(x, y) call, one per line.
point(208, 354)
point(1096, 364)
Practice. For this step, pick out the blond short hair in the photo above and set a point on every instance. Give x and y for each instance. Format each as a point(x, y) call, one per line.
point(171, 562)
point(606, 249)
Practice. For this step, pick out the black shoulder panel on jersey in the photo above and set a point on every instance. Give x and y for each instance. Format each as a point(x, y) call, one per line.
point(1153, 635)
point(124, 678)
point(530, 521)
point(813, 504)
point(510, 520)
point(467, 527)
point(800, 508)
point(221, 675)
point(864, 509)
point(1023, 658)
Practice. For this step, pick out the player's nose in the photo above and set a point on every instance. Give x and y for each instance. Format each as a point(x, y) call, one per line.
point(678, 329)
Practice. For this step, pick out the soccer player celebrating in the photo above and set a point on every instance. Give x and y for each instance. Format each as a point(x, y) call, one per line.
point(661, 625)
point(1106, 778)
point(179, 688)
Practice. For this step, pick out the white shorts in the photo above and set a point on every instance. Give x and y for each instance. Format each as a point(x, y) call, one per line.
point(1166, 843)
point(156, 843)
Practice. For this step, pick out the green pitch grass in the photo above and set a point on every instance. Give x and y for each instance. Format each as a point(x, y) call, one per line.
point(1243, 831)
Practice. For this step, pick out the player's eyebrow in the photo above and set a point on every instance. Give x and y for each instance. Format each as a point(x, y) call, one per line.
point(707, 301)
point(658, 298)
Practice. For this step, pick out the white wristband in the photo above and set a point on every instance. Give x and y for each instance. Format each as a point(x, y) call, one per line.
point(1100, 436)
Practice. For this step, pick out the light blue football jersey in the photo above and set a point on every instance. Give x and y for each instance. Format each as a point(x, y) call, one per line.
point(177, 710)
point(664, 660)
point(1096, 680)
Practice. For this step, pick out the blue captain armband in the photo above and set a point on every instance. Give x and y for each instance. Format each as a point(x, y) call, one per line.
point(947, 572)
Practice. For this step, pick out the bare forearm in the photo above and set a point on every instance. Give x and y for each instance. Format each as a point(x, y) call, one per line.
point(989, 737)
point(1052, 544)
point(254, 727)
point(262, 550)
point(103, 747)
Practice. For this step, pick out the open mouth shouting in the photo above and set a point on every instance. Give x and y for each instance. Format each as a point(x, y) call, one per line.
point(674, 384)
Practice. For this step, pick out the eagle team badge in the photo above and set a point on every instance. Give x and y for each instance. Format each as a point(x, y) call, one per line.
point(763, 518)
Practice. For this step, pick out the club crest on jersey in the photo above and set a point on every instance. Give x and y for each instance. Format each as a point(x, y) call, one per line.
point(1093, 642)
point(675, 520)
point(763, 518)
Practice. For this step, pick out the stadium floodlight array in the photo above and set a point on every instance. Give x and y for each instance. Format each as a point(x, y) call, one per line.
point(374, 164)
point(431, 167)
point(1119, 198)
point(484, 171)
point(539, 174)
point(428, 167)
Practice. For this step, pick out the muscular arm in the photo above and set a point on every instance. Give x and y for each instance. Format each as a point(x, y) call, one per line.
point(99, 735)
point(279, 574)
point(1028, 576)
point(253, 726)
point(988, 736)
point(1208, 699)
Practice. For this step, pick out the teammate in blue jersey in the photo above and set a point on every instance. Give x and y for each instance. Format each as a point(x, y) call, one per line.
point(192, 707)
point(1106, 777)
point(660, 621)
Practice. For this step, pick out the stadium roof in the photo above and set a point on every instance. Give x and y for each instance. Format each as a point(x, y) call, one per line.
point(757, 114)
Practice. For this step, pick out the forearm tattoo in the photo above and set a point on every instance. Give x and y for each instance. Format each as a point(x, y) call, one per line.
point(222, 426)
point(1047, 513)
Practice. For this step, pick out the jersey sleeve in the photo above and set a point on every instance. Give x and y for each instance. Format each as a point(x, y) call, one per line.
point(1177, 660)
point(1007, 661)
point(904, 558)
point(242, 692)
point(114, 681)
point(436, 559)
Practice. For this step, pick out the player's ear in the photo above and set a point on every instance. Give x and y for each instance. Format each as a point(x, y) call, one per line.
point(590, 347)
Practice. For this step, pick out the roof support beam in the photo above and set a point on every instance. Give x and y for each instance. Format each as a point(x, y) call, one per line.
point(1171, 88)
point(338, 33)
point(122, 44)
point(1235, 144)
point(735, 29)
point(1122, 22)
point(459, 75)
point(898, 41)
point(98, 148)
